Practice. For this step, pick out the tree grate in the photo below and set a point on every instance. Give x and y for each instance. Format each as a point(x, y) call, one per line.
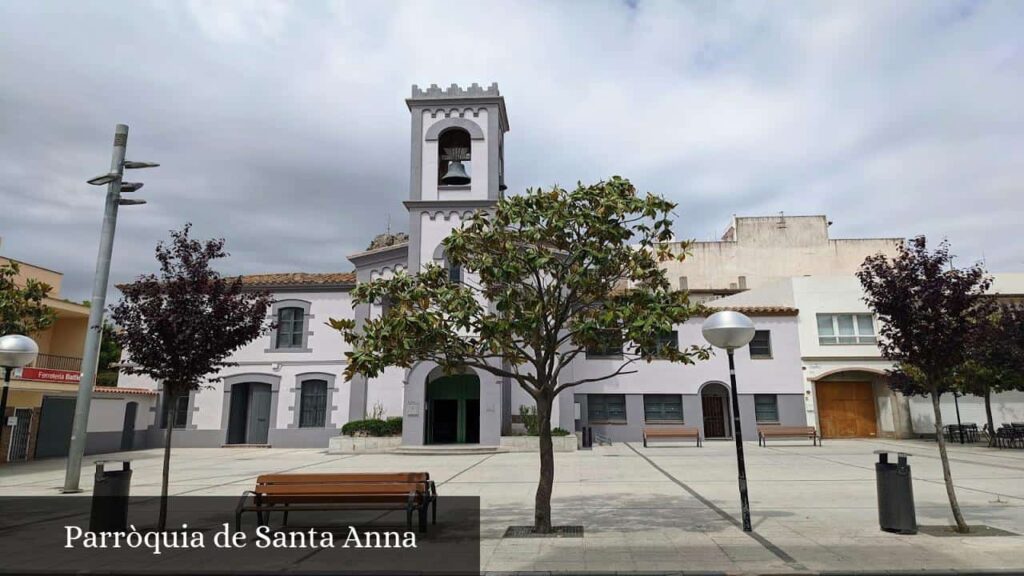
point(976, 530)
point(556, 532)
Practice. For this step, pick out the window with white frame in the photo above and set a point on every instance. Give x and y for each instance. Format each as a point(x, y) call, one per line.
point(844, 329)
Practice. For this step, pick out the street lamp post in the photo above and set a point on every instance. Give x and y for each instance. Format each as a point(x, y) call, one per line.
point(91, 352)
point(16, 351)
point(730, 330)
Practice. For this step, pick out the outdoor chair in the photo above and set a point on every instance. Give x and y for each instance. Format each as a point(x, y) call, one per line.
point(1009, 436)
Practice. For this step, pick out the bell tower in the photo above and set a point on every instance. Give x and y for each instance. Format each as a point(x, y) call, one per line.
point(457, 164)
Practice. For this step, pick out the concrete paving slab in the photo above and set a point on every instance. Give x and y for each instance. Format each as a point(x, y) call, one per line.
point(659, 508)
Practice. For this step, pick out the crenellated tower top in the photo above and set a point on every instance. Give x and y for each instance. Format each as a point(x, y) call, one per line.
point(434, 92)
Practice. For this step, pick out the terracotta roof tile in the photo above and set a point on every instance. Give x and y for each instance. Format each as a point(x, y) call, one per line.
point(299, 279)
point(121, 390)
point(756, 310)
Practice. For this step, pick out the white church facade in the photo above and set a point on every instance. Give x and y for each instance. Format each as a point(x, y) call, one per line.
point(287, 389)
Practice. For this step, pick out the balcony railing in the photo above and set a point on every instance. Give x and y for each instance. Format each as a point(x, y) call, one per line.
point(54, 362)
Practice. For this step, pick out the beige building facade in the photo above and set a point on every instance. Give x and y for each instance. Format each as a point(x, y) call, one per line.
point(41, 399)
point(758, 250)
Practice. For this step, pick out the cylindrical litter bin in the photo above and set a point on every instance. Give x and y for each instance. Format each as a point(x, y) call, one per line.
point(110, 498)
point(895, 494)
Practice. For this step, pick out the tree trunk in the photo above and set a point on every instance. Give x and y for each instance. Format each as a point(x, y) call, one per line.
point(947, 476)
point(169, 421)
point(988, 412)
point(542, 505)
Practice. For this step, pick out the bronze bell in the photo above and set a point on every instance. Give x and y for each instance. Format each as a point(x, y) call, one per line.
point(456, 174)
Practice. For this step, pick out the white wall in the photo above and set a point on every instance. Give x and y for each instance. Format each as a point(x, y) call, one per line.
point(829, 294)
point(327, 355)
point(107, 414)
point(1006, 407)
point(779, 375)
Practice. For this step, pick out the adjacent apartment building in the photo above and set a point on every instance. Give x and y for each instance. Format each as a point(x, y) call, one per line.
point(41, 400)
point(846, 390)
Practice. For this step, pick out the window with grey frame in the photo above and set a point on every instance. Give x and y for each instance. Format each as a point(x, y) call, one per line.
point(609, 345)
point(666, 340)
point(761, 345)
point(178, 413)
point(663, 408)
point(454, 272)
point(290, 327)
point(766, 408)
point(313, 404)
point(606, 408)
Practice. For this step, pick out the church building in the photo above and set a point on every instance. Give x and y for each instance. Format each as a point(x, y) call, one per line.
point(287, 389)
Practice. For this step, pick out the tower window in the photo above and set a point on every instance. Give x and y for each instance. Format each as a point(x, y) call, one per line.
point(453, 158)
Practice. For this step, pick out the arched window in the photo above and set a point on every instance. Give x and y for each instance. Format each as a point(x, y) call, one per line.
point(441, 258)
point(290, 327)
point(453, 158)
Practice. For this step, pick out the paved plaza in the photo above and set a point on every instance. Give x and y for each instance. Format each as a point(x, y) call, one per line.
point(666, 508)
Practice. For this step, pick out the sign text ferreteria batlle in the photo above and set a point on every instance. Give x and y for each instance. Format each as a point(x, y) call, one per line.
point(47, 375)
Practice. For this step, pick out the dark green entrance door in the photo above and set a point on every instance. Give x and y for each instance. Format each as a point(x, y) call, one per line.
point(453, 410)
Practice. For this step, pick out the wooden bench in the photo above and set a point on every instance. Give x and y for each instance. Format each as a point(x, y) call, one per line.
point(409, 491)
point(672, 432)
point(775, 431)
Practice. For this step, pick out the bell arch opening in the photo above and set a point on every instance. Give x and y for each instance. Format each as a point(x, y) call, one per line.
point(454, 161)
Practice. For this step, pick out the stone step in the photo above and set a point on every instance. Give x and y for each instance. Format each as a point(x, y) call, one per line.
point(448, 450)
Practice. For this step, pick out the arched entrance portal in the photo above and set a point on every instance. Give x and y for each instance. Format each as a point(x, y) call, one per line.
point(714, 403)
point(453, 409)
point(846, 404)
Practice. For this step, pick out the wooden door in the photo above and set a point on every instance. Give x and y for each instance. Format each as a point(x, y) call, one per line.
point(714, 416)
point(846, 409)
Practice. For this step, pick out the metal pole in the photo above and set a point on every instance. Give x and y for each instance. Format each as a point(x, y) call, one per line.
point(738, 433)
point(91, 352)
point(959, 426)
point(3, 399)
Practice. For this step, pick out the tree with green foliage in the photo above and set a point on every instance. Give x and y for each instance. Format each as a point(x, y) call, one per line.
point(181, 325)
point(22, 307)
point(547, 275)
point(928, 311)
point(995, 357)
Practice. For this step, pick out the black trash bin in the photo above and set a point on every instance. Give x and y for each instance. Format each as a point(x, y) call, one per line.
point(586, 437)
point(110, 497)
point(895, 494)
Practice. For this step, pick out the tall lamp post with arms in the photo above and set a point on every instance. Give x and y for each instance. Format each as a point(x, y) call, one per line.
point(16, 351)
point(730, 330)
point(91, 352)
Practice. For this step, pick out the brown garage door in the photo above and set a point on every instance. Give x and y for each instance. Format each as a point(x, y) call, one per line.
point(846, 409)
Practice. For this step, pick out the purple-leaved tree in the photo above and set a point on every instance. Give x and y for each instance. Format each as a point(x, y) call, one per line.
point(180, 326)
point(928, 311)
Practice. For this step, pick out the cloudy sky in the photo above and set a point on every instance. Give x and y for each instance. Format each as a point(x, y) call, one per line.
point(282, 126)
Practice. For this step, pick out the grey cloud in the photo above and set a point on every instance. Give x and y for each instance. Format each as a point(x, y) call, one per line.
point(282, 126)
